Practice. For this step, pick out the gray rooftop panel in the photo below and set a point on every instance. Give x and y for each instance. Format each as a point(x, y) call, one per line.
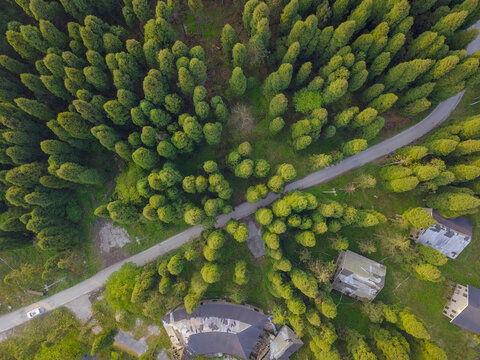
point(459, 224)
point(447, 242)
point(469, 318)
point(473, 297)
point(209, 343)
point(221, 310)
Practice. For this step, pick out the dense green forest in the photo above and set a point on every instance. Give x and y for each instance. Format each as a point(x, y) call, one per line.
point(170, 116)
point(85, 77)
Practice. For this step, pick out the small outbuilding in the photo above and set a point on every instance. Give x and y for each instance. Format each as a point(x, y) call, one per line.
point(463, 309)
point(358, 277)
point(284, 345)
point(448, 236)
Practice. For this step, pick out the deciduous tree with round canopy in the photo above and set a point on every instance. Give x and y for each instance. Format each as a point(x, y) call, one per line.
point(211, 273)
point(419, 218)
point(175, 264)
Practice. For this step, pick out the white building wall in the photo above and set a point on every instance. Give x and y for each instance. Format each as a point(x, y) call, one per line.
point(457, 303)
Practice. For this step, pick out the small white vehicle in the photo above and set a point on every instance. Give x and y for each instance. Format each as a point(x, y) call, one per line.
point(35, 312)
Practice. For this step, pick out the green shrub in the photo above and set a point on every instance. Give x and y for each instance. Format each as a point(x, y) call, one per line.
point(306, 101)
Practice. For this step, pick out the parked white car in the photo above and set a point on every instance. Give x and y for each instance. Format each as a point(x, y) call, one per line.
point(35, 312)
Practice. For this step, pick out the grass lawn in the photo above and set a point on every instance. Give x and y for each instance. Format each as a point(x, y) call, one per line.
point(149, 234)
point(256, 292)
point(465, 108)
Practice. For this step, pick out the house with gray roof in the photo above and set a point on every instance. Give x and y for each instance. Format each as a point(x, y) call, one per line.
point(448, 236)
point(358, 276)
point(463, 309)
point(215, 327)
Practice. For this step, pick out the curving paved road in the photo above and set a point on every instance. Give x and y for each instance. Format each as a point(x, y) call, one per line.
point(436, 117)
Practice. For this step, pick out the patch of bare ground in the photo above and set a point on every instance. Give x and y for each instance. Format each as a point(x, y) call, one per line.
point(242, 120)
point(110, 241)
point(394, 122)
point(241, 127)
point(81, 307)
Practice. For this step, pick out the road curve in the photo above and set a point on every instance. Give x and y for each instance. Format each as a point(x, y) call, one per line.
point(436, 117)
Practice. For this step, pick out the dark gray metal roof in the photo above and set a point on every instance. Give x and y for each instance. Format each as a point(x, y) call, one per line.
point(469, 318)
point(459, 224)
point(473, 296)
point(222, 310)
point(240, 345)
point(221, 340)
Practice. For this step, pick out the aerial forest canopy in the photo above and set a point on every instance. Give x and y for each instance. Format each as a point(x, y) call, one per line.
point(84, 82)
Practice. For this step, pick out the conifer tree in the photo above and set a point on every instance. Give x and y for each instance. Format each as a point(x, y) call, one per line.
point(248, 12)
point(106, 135)
point(160, 31)
point(13, 65)
point(397, 13)
point(380, 39)
point(154, 87)
point(20, 45)
point(335, 91)
point(97, 77)
point(361, 14)
point(45, 10)
point(289, 15)
point(339, 9)
point(145, 158)
point(341, 36)
point(33, 36)
point(112, 43)
point(141, 9)
point(238, 82)
point(198, 70)
point(303, 73)
point(118, 113)
point(278, 105)
point(228, 39)
point(212, 133)
point(448, 24)
point(359, 76)
point(416, 107)
point(384, 102)
point(355, 146)
point(239, 55)
point(415, 93)
point(75, 125)
point(34, 84)
point(292, 53)
point(54, 37)
point(35, 108)
point(135, 49)
point(379, 64)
